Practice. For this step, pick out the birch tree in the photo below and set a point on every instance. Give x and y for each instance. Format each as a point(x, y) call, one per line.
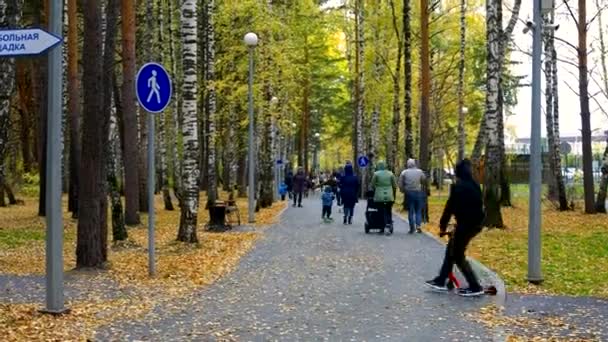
point(211, 106)
point(461, 65)
point(600, 203)
point(359, 90)
point(162, 129)
point(190, 168)
point(396, 122)
point(552, 113)
point(407, 74)
point(10, 13)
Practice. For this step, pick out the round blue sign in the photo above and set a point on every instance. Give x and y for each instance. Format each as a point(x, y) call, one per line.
point(363, 161)
point(153, 87)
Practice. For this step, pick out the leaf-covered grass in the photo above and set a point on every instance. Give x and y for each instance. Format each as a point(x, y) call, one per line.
point(181, 268)
point(574, 248)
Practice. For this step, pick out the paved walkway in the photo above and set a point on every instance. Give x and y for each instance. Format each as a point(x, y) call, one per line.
point(312, 281)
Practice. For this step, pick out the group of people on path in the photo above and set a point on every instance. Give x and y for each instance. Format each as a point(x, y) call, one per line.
point(465, 203)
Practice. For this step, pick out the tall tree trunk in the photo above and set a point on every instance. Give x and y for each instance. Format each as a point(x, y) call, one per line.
point(119, 231)
point(211, 107)
point(203, 100)
point(359, 91)
point(231, 148)
point(175, 112)
point(492, 173)
point(10, 13)
point(407, 74)
point(190, 169)
point(552, 117)
point(91, 245)
point(583, 73)
point(73, 88)
point(143, 115)
point(425, 85)
point(129, 116)
point(393, 142)
point(42, 95)
point(162, 129)
point(600, 203)
point(461, 114)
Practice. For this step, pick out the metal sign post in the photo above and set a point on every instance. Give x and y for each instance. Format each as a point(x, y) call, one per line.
point(54, 220)
point(154, 90)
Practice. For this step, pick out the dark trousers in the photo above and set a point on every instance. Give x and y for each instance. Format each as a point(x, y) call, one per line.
point(387, 212)
point(338, 198)
point(454, 254)
point(349, 210)
point(297, 198)
point(326, 211)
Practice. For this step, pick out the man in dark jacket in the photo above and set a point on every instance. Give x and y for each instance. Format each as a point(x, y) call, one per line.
point(289, 183)
point(466, 204)
point(299, 186)
point(349, 190)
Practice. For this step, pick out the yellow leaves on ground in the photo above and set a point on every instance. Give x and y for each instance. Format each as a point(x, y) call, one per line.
point(181, 268)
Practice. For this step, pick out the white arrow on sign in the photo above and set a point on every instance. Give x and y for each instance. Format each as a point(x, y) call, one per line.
point(26, 42)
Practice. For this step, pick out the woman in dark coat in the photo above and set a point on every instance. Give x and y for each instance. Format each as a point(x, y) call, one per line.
point(349, 191)
point(299, 186)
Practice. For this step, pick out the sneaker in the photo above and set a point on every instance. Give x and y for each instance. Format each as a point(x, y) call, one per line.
point(470, 292)
point(435, 285)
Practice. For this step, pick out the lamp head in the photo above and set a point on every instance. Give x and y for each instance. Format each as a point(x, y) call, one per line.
point(251, 39)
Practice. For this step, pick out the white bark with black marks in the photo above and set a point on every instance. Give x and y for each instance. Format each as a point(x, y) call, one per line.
point(190, 168)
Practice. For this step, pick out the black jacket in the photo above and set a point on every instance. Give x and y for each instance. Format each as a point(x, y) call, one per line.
point(465, 203)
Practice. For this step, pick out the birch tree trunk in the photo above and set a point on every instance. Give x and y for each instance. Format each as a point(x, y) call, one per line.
point(552, 117)
point(162, 134)
point(119, 231)
point(175, 109)
point(359, 91)
point(425, 86)
point(129, 115)
point(492, 163)
point(190, 169)
point(73, 88)
point(211, 107)
point(461, 114)
point(10, 14)
point(407, 73)
point(600, 203)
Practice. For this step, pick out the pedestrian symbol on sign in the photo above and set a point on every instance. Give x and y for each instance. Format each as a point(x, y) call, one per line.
point(154, 88)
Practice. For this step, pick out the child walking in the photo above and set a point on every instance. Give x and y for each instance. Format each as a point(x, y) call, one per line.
point(328, 199)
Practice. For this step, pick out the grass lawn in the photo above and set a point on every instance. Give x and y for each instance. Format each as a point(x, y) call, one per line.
point(181, 268)
point(574, 247)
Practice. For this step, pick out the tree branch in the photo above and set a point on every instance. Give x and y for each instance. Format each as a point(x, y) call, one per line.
point(571, 12)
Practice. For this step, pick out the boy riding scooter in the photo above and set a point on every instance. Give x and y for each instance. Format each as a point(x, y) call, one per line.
point(466, 204)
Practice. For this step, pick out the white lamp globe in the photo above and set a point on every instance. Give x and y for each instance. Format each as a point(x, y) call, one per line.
point(251, 39)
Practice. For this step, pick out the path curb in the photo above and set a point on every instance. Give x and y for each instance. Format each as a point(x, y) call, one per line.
point(501, 295)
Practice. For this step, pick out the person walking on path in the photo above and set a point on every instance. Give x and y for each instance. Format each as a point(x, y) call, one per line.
point(299, 186)
point(384, 185)
point(466, 204)
point(411, 183)
point(289, 183)
point(349, 190)
point(327, 199)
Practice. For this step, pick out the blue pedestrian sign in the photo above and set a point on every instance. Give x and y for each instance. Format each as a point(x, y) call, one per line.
point(279, 161)
point(27, 42)
point(153, 87)
point(363, 161)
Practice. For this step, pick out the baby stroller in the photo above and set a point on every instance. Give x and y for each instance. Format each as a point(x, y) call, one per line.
point(374, 218)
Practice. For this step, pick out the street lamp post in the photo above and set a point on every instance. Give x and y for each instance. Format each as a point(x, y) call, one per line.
point(275, 155)
point(315, 159)
point(251, 40)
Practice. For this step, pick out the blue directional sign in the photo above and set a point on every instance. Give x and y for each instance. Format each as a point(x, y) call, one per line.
point(26, 42)
point(279, 161)
point(363, 161)
point(153, 87)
